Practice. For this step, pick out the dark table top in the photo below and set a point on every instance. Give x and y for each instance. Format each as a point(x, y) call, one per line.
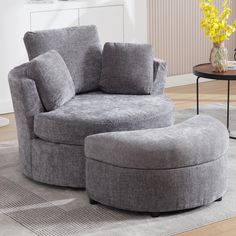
point(206, 71)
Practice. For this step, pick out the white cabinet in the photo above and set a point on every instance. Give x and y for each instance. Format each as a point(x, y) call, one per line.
point(53, 19)
point(117, 20)
point(109, 21)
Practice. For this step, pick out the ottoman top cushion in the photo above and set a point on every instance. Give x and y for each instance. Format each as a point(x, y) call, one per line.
point(198, 140)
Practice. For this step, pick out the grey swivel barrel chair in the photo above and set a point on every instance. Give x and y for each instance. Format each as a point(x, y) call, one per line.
point(51, 143)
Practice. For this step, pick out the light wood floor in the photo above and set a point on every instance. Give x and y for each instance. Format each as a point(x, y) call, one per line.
point(184, 97)
point(8, 132)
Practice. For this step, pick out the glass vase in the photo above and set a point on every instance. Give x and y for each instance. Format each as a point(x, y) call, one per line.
point(219, 57)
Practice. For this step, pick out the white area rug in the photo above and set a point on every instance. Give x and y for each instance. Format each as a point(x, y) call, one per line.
point(30, 208)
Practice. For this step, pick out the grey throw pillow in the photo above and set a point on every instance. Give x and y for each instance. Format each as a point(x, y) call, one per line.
point(79, 47)
point(52, 78)
point(127, 68)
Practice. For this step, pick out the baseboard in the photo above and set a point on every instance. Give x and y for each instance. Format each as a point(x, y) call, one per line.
point(6, 106)
point(180, 80)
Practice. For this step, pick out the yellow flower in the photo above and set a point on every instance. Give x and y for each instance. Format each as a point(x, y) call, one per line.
point(214, 23)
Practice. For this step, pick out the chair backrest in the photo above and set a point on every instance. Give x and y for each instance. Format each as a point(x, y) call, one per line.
point(79, 47)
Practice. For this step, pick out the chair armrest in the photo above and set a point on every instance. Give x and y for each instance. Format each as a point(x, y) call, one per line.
point(27, 104)
point(159, 75)
point(26, 101)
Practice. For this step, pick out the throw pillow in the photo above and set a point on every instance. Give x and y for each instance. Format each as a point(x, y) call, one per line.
point(127, 68)
point(52, 78)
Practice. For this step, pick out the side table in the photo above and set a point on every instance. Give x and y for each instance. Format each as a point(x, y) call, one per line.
point(206, 71)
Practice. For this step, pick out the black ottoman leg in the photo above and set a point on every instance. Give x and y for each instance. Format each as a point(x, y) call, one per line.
point(219, 200)
point(155, 214)
point(92, 202)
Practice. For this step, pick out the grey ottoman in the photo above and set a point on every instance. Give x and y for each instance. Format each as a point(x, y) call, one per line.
point(159, 170)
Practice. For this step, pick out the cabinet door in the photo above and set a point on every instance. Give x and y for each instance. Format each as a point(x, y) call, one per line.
point(54, 19)
point(109, 20)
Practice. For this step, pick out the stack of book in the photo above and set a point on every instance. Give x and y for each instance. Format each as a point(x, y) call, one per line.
point(231, 65)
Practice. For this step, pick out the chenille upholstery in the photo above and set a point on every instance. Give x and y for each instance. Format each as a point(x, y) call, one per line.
point(51, 143)
point(98, 113)
point(53, 80)
point(159, 170)
point(127, 68)
point(79, 47)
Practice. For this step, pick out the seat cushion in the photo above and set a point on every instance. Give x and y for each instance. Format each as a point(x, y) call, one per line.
point(127, 68)
point(199, 140)
point(79, 47)
point(96, 112)
point(52, 77)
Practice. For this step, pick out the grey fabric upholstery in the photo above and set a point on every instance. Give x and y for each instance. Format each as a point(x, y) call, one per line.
point(26, 104)
point(97, 113)
point(46, 162)
point(160, 170)
point(27, 107)
point(52, 78)
point(156, 191)
point(51, 144)
point(127, 68)
point(58, 164)
point(186, 144)
point(79, 47)
point(159, 78)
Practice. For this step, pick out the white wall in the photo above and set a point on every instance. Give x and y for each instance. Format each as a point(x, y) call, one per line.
point(15, 21)
point(176, 35)
point(136, 21)
point(10, 43)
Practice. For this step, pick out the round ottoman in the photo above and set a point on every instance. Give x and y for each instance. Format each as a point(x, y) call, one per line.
point(159, 170)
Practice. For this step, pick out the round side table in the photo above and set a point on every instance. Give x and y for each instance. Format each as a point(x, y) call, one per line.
point(206, 71)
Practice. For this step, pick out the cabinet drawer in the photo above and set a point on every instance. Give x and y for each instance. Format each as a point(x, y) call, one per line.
point(53, 19)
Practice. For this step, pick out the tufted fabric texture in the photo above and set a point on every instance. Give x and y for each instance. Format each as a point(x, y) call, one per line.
point(127, 68)
point(159, 170)
point(52, 77)
point(97, 113)
point(79, 47)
